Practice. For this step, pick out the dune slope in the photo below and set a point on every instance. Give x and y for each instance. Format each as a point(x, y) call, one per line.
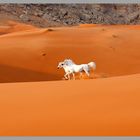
point(115, 49)
point(103, 107)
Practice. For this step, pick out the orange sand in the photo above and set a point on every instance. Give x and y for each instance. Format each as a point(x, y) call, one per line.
point(33, 55)
point(108, 106)
point(100, 106)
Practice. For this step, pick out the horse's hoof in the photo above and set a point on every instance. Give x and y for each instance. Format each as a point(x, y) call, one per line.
point(64, 79)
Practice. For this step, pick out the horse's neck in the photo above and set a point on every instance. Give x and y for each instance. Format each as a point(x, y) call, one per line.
point(66, 68)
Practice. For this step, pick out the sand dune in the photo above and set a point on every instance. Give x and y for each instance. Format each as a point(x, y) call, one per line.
point(115, 49)
point(107, 104)
point(11, 26)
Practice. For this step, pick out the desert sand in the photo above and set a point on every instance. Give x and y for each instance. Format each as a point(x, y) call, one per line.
point(34, 99)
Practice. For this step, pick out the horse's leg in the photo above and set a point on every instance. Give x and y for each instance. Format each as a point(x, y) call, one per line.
point(73, 76)
point(87, 73)
point(81, 75)
point(66, 76)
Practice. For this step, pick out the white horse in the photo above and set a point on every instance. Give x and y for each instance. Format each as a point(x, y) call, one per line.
point(71, 68)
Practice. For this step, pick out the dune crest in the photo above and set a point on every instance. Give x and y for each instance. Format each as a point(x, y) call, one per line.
point(12, 26)
point(89, 25)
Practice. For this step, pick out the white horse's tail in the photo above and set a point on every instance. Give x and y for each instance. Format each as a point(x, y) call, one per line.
point(92, 65)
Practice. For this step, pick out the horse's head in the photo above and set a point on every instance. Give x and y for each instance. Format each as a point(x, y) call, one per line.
point(60, 65)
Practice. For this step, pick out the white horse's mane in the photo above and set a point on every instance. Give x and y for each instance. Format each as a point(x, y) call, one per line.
point(68, 62)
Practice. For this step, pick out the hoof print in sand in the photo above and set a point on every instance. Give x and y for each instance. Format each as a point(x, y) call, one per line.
point(114, 36)
point(44, 54)
point(50, 29)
